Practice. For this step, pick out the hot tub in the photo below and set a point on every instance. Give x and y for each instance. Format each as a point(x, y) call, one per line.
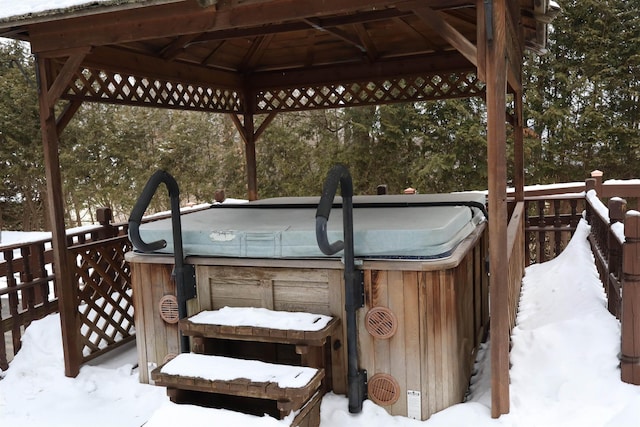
point(389, 227)
point(425, 285)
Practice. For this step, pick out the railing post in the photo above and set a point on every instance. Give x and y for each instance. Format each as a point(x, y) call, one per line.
point(630, 319)
point(104, 216)
point(617, 210)
point(597, 175)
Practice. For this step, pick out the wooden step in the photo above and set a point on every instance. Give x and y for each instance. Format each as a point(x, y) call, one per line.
point(175, 414)
point(290, 387)
point(261, 325)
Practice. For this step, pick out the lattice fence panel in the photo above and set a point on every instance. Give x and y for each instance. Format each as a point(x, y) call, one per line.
point(105, 304)
point(98, 85)
point(417, 88)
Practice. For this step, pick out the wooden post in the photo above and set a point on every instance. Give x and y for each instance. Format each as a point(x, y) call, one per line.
point(48, 92)
point(630, 345)
point(250, 154)
point(104, 216)
point(597, 176)
point(496, 74)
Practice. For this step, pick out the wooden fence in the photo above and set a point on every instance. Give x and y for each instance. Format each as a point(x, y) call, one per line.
point(102, 285)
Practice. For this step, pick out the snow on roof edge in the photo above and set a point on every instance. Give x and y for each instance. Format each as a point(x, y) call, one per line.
point(31, 11)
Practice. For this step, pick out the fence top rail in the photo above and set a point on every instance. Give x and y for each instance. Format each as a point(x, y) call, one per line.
point(102, 242)
point(564, 196)
point(18, 245)
point(602, 212)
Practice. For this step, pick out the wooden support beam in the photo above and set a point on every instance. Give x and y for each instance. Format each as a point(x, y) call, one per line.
point(363, 35)
point(67, 114)
point(265, 123)
point(249, 137)
point(63, 272)
point(250, 156)
point(137, 64)
point(496, 74)
point(183, 18)
point(63, 78)
point(448, 32)
point(481, 37)
point(255, 52)
point(342, 35)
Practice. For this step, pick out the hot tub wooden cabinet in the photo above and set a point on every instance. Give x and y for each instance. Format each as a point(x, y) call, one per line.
point(418, 332)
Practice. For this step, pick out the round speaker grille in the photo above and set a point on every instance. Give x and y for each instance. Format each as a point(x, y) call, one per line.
point(169, 309)
point(383, 389)
point(381, 322)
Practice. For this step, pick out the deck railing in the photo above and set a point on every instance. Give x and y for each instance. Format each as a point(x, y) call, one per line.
point(615, 243)
point(101, 282)
point(539, 229)
point(102, 287)
point(550, 222)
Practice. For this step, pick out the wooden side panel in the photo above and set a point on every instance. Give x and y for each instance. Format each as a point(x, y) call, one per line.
point(155, 338)
point(335, 283)
point(439, 316)
point(288, 289)
point(398, 352)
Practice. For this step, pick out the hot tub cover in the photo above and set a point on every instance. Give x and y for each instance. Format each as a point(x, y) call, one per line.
point(390, 226)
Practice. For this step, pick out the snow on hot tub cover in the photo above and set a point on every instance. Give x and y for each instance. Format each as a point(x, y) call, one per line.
point(389, 226)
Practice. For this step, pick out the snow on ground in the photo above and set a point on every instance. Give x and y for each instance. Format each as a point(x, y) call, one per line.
point(564, 372)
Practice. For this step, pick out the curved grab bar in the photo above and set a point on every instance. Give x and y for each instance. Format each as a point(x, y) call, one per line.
point(142, 204)
point(337, 174)
point(184, 274)
point(354, 288)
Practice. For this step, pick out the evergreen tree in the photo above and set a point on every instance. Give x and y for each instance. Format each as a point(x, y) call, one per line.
point(22, 182)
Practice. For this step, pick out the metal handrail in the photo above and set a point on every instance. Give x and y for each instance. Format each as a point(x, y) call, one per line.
point(353, 279)
point(184, 275)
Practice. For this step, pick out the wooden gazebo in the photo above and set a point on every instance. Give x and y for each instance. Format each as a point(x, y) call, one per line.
point(251, 58)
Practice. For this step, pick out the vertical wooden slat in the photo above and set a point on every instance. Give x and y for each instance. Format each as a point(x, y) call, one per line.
point(518, 147)
point(397, 344)
point(28, 295)
point(428, 342)
point(338, 343)
point(13, 301)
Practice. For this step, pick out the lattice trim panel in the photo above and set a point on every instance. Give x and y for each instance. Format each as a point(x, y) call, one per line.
point(97, 85)
point(105, 303)
point(419, 88)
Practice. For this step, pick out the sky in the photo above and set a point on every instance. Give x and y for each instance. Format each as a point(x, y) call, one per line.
point(565, 372)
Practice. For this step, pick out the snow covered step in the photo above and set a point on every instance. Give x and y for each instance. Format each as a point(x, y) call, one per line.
point(197, 416)
point(289, 386)
point(262, 325)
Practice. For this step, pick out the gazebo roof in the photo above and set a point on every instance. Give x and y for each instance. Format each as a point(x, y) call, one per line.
point(263, 55)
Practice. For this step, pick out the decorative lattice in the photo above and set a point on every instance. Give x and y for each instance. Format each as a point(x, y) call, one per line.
point(92, 84)
point(420, 88)
point(98, 85)
point(105, 304)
